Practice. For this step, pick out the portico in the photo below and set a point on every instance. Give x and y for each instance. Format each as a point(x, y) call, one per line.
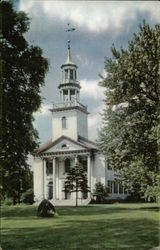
point(54, 168)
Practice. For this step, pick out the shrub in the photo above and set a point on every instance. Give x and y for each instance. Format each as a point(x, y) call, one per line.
point(46, 209)
point(7, 201)
point(100, 192)
point(152, 193)
point(28, 197)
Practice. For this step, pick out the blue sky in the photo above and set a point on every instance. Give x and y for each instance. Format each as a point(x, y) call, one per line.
point(98, 25)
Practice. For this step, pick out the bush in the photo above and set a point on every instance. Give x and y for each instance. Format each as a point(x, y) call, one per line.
point(46, 209)
point(100, 192)
point(28, 197)
point(7, 201)
point(152, 193)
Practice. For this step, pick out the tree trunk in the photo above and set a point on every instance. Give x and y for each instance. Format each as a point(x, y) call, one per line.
point(19, 187)
point(76, 195)
point(14, 200)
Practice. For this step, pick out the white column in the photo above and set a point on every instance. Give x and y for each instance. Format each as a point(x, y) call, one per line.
point(60, 93)
point(54, 178)
point(45, 181)
point(89, 174)
point(68, 95)
point(63, 75)
point(75, 160)
point(62, 96)
point(40, 188)
point(57, 180)
point(42, 180)
point(62, 99)
point(78, 97)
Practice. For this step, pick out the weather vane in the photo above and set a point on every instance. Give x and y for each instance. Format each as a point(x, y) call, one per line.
point(69, 30)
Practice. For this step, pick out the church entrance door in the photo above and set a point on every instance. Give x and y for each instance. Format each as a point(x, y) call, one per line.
point(67, 195)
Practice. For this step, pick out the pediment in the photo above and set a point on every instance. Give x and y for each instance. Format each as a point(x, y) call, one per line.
point(64, 144)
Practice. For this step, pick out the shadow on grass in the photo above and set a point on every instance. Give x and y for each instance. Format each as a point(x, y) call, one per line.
point(156, 209)
point(111, 234)
point(31, 211)
point(18, 211)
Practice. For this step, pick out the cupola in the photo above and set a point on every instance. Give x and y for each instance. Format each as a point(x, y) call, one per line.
point(69, 86)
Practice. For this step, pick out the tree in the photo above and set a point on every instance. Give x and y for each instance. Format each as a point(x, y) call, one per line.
point(131, 110)
point(23, 72)
point(100, 192)
point(76, 181)
point(28, 196)
point(153, 192)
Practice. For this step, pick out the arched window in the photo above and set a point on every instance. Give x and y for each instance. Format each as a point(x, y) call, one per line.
point(67, 165)
point(72, 92)
point(64, 122)
point(71, 74)
point(49, 168)
point(66, 74)
point(67, 194)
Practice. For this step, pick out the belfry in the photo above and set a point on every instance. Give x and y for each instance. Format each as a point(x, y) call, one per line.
point(69, 87)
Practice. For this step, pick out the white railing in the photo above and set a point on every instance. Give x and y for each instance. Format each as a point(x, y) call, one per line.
point(64, 81)
point(72, 103)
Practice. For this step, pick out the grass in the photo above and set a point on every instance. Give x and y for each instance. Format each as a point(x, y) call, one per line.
point(117, 226)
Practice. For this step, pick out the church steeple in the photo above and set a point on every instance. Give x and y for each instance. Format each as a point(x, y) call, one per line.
point(69, 115)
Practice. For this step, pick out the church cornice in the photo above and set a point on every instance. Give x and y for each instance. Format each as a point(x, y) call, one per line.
point(67, 153)
point(69, 65)
point(69, 84)
point(82, 109)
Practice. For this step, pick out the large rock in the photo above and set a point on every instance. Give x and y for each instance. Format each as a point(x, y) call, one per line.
point(46, 209)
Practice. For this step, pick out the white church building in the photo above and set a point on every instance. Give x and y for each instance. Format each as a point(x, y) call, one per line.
point(70, 144)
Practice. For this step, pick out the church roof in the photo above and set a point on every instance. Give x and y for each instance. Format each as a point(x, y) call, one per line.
point(82, 142)
point(87, 142)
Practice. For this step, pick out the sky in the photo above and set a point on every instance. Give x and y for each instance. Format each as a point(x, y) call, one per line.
point(99, 24)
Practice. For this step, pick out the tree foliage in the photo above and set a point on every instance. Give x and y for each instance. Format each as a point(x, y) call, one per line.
point(76, 181)
point(28, 196)
point(23, 72)
point(131, 110)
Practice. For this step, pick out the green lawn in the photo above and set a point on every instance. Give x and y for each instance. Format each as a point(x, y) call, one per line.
point(118, 226)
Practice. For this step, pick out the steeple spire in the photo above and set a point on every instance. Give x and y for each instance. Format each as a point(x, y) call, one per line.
point(69, 60)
